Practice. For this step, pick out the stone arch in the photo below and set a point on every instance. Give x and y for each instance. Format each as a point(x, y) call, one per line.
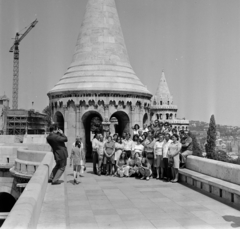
point(145, 119)
point(10, 190)
point(167, 116)
point(123, 122)
point(86, 120)
point(59, 120)
point(7, 202)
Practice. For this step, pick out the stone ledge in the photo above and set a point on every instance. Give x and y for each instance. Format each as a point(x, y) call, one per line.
point(26, 211)
point(218, 187)
point(217, 169)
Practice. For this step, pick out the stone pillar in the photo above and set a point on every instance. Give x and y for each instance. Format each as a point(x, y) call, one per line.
point(106, 126)
point(106, 112)
point(141, 114)
point(65, 119)
point(77, 120)
point(133, 115)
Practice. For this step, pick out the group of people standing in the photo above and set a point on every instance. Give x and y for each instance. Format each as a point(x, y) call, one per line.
point(154, 151)
point(157, 151)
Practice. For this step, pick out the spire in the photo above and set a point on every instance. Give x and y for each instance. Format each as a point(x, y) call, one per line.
point(100, 61)
point(163, 89)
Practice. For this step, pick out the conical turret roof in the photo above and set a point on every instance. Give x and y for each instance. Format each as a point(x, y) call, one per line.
point(163, 90)
point(100, 61)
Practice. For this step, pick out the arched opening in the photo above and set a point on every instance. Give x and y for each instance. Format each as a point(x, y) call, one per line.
point(123, 122)
point(92, 122)
point(171, 116)
point(59, 119)
point(7, 202)
point(145, 119)
point(167, 116)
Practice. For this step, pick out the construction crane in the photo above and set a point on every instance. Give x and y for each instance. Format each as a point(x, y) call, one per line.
point(14, 48)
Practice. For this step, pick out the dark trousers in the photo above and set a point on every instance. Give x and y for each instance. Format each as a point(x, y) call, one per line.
point(166, 170)
point(128, 153)
point(58, 170)
point(95, 161)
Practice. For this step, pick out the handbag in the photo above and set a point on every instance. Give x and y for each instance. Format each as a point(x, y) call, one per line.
point(170, 162)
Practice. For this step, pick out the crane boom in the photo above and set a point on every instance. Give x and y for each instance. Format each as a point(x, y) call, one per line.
point(18, 39)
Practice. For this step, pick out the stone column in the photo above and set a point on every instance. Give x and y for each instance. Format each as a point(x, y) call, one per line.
point(133, 118)
point(106, 112)
point(77, 120)
point(65, 119)
point(106, 126)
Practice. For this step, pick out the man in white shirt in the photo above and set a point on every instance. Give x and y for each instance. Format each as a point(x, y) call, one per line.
point(128, 145)
point(167, 142)
point(94, 152)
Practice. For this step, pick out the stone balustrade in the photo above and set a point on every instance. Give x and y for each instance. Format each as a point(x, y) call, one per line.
point(216, 177)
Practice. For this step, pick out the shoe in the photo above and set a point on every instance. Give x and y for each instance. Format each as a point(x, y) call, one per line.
point(56, 182)
point(183, 166)
point(157, 178)
point(174, 181)
point(147, 178)
point(49, 180)
point(142, 178)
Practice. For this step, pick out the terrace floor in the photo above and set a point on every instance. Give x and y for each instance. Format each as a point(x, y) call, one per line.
point(111, 202)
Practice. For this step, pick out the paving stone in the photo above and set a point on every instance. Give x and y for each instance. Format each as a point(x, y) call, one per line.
point(110, 202)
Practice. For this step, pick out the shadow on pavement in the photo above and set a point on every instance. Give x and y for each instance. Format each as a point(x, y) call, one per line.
point(234, 219)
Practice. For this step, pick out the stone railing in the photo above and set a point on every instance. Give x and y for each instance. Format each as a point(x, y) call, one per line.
point(26, 163)
point(26, 211)
point(218, 178)
point(218, 169)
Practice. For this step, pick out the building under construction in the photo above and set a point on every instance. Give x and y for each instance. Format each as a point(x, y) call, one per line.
point(20, 122)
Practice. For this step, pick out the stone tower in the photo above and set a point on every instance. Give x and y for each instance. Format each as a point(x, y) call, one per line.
point(162, 107)
point(100, 81)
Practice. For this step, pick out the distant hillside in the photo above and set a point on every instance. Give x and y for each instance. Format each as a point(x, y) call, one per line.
point(224, 130)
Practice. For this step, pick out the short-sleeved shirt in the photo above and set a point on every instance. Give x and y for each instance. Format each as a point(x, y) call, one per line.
point(165, 148)
point(94, 144)
point(189, 145)
point(128, 144)
point(158, 148)
point(174, 148)
point(109, 146)
point(138, 149)
point(100, 147)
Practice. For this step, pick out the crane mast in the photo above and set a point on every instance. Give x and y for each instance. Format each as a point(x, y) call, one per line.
point(15, 51)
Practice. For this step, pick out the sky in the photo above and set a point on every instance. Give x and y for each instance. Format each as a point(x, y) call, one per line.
point(195, 42)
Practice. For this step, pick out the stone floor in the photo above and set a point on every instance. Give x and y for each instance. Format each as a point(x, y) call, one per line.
point(110, 202)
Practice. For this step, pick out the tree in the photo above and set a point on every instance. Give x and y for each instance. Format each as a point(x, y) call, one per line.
point(211, 138)
point(48, 112)
point(196, 146)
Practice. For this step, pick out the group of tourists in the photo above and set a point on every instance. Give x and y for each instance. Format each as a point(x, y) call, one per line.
point(156, 151)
